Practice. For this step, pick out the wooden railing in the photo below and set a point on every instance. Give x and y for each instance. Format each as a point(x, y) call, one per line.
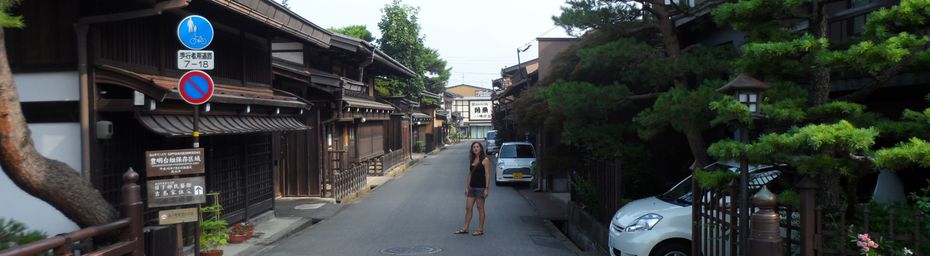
point(335, 163)
point(391, 160)
point(129, 227)
point(349, 181)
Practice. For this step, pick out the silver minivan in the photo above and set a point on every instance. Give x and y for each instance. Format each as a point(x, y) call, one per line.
point(490, 144)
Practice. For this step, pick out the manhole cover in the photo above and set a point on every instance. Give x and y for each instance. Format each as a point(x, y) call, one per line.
point(309, 206)
point(416, 250)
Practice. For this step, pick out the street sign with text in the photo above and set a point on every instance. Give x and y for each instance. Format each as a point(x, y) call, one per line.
point(176, 216)
point(195, 60)
point(174, 162)
point(171, 192)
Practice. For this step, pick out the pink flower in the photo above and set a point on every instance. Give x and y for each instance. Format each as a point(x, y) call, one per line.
point(864, 237)
point(866, 249)
point(862, 244)
point(873, 244)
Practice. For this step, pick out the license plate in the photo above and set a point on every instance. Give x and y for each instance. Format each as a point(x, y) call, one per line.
point(518, 175)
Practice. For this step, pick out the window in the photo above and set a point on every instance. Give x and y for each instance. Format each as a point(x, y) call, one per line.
point(517, 151)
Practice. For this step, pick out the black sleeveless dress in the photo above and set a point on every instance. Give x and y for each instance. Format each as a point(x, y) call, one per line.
point(477, 176)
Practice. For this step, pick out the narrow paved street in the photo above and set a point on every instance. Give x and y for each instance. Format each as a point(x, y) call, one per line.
point(423, 207)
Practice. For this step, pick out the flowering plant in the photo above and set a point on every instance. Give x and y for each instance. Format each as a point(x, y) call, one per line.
point(243, 228)
point(865, 244)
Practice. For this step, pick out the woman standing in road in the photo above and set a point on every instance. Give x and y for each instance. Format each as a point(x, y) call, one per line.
point(476, 187)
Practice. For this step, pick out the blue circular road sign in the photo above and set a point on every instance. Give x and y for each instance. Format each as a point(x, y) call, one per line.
point(196, 87)
point(195, 32)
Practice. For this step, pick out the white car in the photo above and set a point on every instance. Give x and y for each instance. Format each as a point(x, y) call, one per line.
point(661, 225)
point(514, 162)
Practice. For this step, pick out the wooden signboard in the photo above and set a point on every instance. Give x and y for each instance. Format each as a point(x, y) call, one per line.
point(176, 216)
point(174, 162)
point(171, 192)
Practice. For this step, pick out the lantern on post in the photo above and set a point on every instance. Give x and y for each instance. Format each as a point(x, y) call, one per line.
point(748, 91)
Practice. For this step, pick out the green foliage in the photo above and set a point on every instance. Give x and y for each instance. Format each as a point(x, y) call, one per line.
point(785, 103)
point(780, 59)
point(581, 15)
point(915, 152)
point(922, 200)
point(789, 197)
point(213, 233)
point(593, 123)
point(714, 179)
point(873, 57)
point(419, 146)
point(437, 75)
point(729, 109)
point(356, 31)
point(7, 20)
point(401, 39)
point(14, 233)
point(680, 109)
point(586, 191)
point(625, 61)
point(908, 15)
point(812, 149)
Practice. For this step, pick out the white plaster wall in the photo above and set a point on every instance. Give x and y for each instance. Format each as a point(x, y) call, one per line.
point(48, 86)
point(59, 141)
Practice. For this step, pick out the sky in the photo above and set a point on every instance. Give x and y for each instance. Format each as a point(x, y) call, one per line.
point(477, 37)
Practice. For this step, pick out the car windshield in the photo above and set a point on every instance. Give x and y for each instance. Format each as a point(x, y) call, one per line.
point(491, 135)
point(681, 193)
point(517, 151)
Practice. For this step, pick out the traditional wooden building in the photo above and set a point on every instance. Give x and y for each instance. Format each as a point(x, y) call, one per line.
point(353, 123)
point(117, 90)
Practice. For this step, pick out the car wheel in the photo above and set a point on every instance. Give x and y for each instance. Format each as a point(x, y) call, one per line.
point(672, 249)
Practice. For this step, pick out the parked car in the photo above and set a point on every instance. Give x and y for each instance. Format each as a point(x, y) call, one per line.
point(514, 163)
point(661, 225)
point(490, 142)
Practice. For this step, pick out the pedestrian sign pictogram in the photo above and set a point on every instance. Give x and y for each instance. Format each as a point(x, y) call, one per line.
point(195, 32)
point(196, 87)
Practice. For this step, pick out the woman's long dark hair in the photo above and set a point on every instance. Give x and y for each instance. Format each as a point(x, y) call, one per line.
point(481, 155)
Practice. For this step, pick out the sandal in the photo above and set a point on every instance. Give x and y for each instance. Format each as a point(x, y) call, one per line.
point(461, 231)
point(478, 233)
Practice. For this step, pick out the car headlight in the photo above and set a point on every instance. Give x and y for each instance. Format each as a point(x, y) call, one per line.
point(645, 222)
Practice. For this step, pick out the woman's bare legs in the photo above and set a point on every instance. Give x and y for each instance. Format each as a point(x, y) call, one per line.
point(468, 205)
point(480, 214)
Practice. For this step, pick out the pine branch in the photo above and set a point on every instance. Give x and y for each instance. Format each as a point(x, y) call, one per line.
point(878, 80)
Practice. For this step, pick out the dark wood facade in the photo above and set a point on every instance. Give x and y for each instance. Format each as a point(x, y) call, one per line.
point(132, 74)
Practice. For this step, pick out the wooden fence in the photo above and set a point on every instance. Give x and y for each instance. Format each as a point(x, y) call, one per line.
point(605, 179)
point(349, 181)
point(391, 160)
point(129, 228)
point(810, 230)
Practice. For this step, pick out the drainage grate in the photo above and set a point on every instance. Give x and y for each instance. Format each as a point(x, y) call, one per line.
point(416, 250)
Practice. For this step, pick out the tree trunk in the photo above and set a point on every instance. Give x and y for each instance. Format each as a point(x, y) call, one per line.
point(821, 77)
point(698, 147)
point(670, 39)
point(47, 179)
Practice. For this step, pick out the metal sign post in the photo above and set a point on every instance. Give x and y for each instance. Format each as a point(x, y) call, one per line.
point(196, 87)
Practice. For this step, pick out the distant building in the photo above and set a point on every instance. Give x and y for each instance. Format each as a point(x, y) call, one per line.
point(475, 108)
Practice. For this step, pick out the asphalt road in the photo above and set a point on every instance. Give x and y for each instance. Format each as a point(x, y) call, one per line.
point(423, 207)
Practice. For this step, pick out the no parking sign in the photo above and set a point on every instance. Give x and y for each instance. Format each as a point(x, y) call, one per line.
point(196, 87)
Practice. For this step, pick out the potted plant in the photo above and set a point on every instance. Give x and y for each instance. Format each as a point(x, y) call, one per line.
point(212, 228)
point(241, 232)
